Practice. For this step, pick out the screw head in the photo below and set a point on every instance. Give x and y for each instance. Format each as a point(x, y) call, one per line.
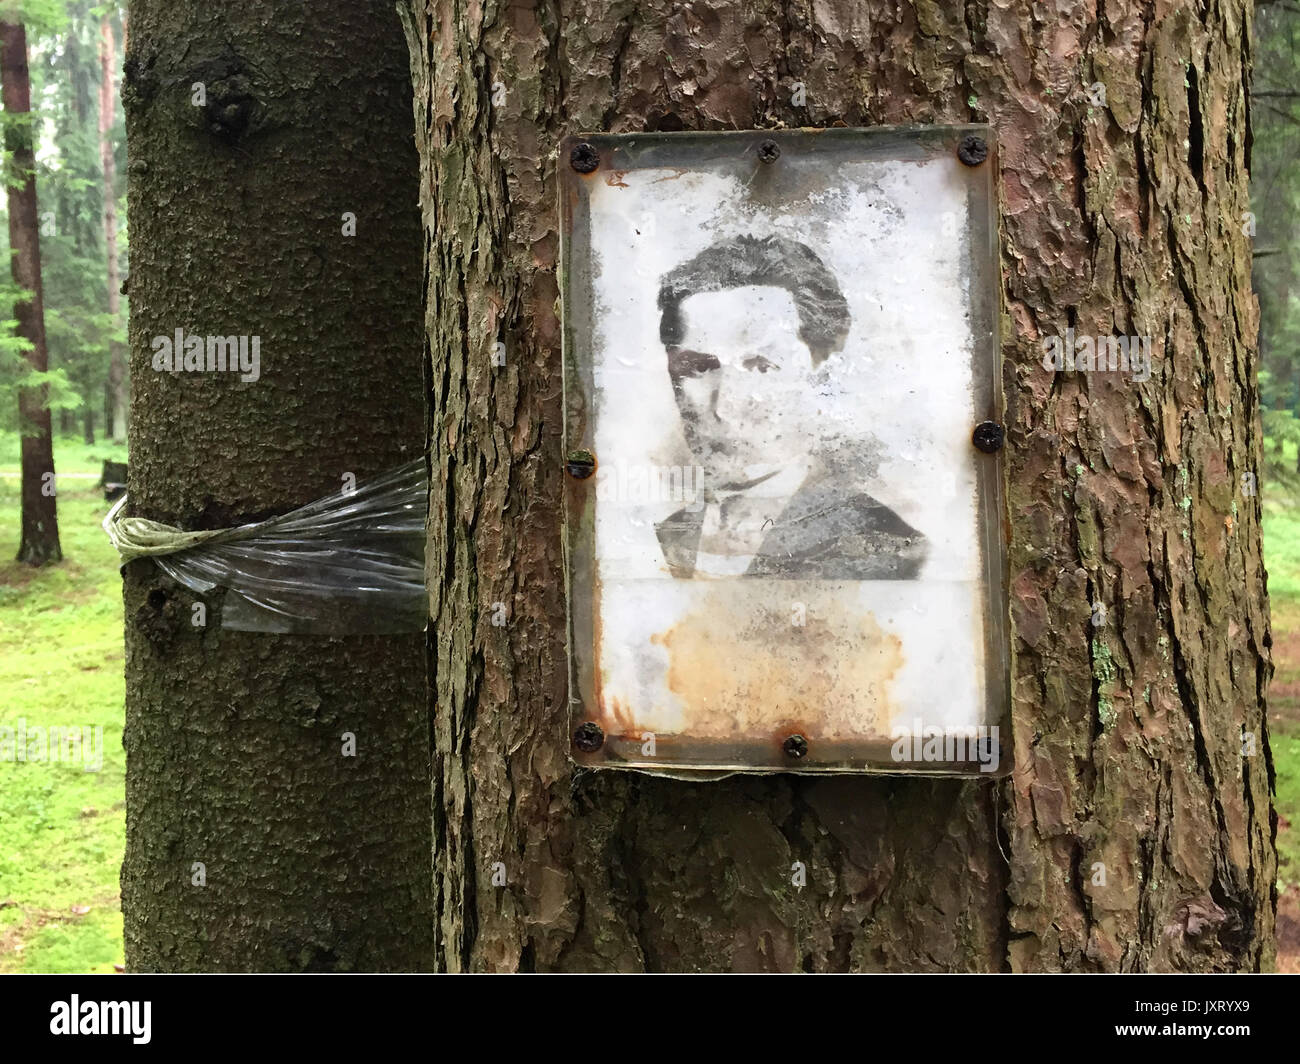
point(769, 151)
point(584, 157)
point(989, 436)
point(795, 747)
point(589, 738)
point(580, 464)
point(972, 150)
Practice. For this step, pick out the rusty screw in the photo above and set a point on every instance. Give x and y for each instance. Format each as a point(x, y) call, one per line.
point(584, 158)
point(795, 747)
point(769, 151)
point(989, 437)
point(972, 150)
point(589, 738)
point(580, 464)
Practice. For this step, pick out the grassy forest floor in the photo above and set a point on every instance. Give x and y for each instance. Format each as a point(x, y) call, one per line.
point(61, 660)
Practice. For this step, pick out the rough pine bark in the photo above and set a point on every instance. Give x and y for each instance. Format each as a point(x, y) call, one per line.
point(1133, 834)
point(39, 544)
point(255, 132)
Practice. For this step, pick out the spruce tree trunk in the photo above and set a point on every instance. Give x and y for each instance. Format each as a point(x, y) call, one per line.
point(1116, 219)
point(117, 356)
point(39, 544)
point(251, 135)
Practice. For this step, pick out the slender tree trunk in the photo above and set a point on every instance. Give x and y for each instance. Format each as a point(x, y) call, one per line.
point(76, 205)
point(250, 137)
point(1133, 834)
point(77, 68)
point(40, 525)
point(117, 355)
point(88, 424)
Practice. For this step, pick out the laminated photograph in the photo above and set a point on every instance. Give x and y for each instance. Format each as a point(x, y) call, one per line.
point(785, 548)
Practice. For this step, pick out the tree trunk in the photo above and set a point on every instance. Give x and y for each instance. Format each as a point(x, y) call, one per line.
point(40, 526)
point(1128, 738)
point(312, 860)
point(117, 356)
point(88, 423)
point(80, 71)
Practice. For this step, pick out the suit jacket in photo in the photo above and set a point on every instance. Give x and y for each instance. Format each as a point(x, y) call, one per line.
point(822, 534)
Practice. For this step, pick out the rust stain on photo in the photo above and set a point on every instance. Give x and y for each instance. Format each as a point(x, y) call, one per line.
point(731, 665)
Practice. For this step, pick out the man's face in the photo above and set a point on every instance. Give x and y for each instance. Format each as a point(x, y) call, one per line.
point(741, 377)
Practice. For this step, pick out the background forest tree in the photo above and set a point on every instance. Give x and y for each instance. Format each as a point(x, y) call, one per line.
point(1275, 222)
point(64, 41)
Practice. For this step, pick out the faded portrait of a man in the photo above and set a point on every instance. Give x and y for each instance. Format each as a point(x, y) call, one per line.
point(745, 324)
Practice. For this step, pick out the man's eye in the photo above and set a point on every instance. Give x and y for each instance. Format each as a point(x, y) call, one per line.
point(759, 363)
point(691, 363)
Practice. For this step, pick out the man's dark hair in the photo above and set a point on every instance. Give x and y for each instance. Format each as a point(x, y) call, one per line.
point(768, 261)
